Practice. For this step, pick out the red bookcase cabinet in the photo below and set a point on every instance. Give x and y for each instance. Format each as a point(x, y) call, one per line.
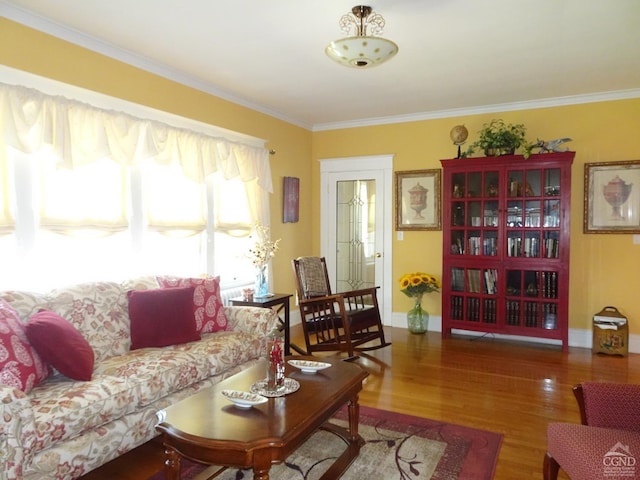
point(506, 223)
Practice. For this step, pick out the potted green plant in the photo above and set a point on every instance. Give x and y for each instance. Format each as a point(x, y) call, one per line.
point(500, 138)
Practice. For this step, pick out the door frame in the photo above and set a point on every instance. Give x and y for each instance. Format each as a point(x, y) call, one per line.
point(384, 165)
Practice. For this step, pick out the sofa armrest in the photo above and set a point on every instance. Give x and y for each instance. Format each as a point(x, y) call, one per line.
point(253, 320)
point(17, 432)
point(610, 405)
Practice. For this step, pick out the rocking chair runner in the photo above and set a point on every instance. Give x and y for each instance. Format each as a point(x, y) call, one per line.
point(344, 321)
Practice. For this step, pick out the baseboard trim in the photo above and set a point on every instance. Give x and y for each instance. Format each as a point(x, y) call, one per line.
point(577, 337)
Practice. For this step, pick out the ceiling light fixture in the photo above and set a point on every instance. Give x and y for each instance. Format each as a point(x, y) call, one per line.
point(361, 50)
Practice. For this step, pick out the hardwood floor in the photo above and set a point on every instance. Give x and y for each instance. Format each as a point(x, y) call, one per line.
point(509, 387)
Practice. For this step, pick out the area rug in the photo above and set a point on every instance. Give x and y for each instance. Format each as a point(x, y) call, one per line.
point(398, 446)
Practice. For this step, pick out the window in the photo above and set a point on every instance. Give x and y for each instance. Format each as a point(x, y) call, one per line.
point(107, 222)
point(89, 192)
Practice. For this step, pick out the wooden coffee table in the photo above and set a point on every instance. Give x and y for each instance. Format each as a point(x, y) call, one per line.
point(209, 429)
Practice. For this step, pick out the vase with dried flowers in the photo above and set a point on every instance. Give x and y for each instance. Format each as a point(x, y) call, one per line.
point(415, 285)
point(263, 249)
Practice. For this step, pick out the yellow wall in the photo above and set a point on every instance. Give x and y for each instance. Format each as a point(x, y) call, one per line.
point(603, 267)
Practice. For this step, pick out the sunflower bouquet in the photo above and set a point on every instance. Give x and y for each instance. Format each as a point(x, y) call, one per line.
point(417, 284)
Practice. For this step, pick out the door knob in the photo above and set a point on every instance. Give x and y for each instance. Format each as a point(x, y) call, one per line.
point(378, 255)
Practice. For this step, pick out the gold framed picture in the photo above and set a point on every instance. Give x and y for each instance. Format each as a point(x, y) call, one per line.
point(418, 200)
point(612, 197)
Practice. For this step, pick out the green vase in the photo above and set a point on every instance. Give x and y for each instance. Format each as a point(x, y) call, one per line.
point(417, 318)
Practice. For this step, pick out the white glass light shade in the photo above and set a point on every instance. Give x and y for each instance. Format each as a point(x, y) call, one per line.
point(361, 51)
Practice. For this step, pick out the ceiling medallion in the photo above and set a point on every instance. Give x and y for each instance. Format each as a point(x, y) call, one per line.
point(361, 50)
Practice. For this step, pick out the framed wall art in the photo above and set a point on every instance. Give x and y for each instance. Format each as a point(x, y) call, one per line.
point(612, 197)
point(291, 200)
point(418, 200)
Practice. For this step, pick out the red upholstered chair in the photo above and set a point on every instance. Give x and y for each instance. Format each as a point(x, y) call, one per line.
point(607, 444)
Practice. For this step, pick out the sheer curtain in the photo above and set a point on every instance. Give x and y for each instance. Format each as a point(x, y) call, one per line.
point(93, 179)
point(78, 134)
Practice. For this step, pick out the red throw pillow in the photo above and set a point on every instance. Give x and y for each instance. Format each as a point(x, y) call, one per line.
point(161, 317)
point(20, 365)
point(61, 345)
point(207, 303)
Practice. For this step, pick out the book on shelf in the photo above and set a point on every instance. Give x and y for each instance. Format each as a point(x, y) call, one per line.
point(473, 280)
point(530, 314)
point(531, 247)
point(473, 309)
point(490, 280)
point(457, 308)
point(550, 284)
point(551, 247)
point(490, 246)
point(513, 312)
point(514, 246)
point(474, 245)
point(457, 279)
point(489, 312)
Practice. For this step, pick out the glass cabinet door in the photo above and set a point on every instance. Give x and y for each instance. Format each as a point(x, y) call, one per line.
point(474, 294)
point(475, 216)
point(533, 213)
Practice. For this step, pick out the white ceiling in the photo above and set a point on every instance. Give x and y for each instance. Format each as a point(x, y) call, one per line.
point(455, 57)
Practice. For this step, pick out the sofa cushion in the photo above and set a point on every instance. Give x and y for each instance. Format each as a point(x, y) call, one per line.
point(156, 372)
point(207, 302)
point(161, 317)
point(20, 365)
point(64, 409)
point(61, 345)
point(24, 302)
point(99, 311)
point(222, 350)
point(145, 282)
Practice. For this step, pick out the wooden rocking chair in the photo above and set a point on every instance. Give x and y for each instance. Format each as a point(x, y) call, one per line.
point(344, 321)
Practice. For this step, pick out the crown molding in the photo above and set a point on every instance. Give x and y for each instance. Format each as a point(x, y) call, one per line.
point(500, 107)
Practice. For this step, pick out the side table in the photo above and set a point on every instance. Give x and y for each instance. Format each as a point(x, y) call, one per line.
point(281, 303)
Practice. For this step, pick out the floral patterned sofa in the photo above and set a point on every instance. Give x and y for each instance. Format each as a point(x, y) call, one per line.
point(56, 427)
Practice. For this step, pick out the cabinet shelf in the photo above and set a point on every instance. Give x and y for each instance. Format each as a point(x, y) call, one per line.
point(506, 245)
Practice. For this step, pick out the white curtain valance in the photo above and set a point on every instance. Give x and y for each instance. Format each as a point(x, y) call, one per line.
point(79, 134)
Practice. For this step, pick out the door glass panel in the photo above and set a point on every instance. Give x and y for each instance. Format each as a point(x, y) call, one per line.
point(457, 214)
point(532, 214)
point(552, 182)
point(474, 189)
point(355, 228)
point(458, 183)
point(491, 214)
point(474, 214)
point(514, 214)
point(531, 246)
point(491, 184)
point(490, 243)
point(515, 183)
point(532, 184)
point(457, 242)
point(552, 213)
